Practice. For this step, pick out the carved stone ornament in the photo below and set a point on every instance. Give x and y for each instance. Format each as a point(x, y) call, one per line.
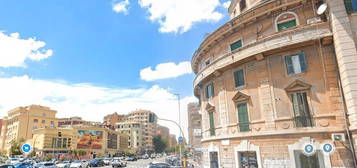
point(285, 125)
point(297, 85)
point(240, 97)
point(210, 107)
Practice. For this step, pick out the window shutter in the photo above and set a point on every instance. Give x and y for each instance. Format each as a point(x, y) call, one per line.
point(211, 123)
point(302, 62)
point(243, 117)
point(236, 45)
point(207, 96)
point(239, 78)
point(212, 90)
point(288, 24)
point(289, 65)
point(349, 6)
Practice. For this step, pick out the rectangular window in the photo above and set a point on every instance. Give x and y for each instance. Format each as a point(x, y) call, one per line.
point(243, 117)
point(64, 145)
point(248, 159)
point(295, 64)
point(212, 129)
point(239, 78)
point(213, 158)
point(236, 45)
point(242, 5)
point(301, 110)
point(285, 25)
point(303, 161)
point(209, 91)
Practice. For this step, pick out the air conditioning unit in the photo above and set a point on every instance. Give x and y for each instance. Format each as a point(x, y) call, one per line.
point(314, 20)
point(338, 137)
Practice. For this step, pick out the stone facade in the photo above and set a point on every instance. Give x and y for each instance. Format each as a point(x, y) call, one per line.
point(269, 83)
point(194, 125)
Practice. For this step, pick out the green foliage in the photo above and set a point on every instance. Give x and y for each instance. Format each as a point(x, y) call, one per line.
point(15, 147)
point(160, 143)
point(129, 153)
point(78, 153)
point(48, 158)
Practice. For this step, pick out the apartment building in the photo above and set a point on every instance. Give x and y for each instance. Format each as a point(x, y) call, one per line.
point(270, 81)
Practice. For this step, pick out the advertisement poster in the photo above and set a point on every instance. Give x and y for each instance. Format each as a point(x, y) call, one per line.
point(90, 139)
point(112, 141)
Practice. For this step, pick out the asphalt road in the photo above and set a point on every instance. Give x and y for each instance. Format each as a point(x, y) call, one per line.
point(142, 163)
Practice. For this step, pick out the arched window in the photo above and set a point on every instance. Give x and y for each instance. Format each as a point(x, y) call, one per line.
point(286, 20)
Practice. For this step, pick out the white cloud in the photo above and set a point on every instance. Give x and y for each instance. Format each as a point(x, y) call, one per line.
point(14, 51)
point(179, 15)
point(226, 4)
point(89, 101)
point(165, 70)
point(121, 6)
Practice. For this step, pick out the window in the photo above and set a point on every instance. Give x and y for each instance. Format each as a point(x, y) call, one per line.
point(34, 127)
point(35, 120)
point(301, 110)
point(243, 117)
point(212, 129)
point(52, 123)
point(236, 45)
point(295, 64)
point(213, 158)
point(208, 62)
point(351, 6)
point(286, 20)
point(242, 5)
point(239, 78)
point(248, 159)
point(43, 122)
point(303, 161)
point(209, 91)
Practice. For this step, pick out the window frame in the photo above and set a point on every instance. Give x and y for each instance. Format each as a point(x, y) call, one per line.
point(312, 124)
point(248, 115)
point(241, 9)
point(244, 78)
point(230, 44)
point(295, 54)
point(207, 95)
point(284, 13)
point(212, 127)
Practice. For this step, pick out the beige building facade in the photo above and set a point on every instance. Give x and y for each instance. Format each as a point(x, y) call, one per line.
point(21, 121)
point(269, 85)
point(134, 131)
point(194, 125)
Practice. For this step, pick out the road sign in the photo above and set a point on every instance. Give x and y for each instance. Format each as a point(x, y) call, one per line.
point(180, 140)
point(26, 148)
point(327, 148)
point(309, 149)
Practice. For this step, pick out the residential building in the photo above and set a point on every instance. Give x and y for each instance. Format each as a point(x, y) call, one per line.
point(95, 141)
point(194, 125)
point(77, 121)
point(21, 121)
point(163, 131)
point(111, 120)
point(172, 140)
point(148, 128)
point(269, 83)
point(134, 131)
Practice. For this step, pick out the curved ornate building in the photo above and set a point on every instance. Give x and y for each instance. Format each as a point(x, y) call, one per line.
point(276, 83)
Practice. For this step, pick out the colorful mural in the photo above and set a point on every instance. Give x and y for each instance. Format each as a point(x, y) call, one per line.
point(90, 139)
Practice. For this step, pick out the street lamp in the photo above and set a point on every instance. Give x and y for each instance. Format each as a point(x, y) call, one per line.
point(181, 133)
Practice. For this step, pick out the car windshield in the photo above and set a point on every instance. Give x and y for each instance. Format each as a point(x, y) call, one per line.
point(66, 162)
point(77, 161)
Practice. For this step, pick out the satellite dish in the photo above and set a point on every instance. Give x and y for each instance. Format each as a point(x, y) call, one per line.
point(322, 8)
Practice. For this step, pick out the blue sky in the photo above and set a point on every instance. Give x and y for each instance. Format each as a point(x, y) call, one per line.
point(101, 45)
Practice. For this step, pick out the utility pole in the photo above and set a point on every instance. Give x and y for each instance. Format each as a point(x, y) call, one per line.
point(179, 111)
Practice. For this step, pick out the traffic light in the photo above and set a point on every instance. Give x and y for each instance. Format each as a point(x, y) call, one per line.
point(69, 142)
point(59, 134)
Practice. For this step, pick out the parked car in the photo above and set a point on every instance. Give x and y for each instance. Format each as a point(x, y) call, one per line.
point(107, 161)
point(96, 163)
point(131, 158)
point(158, 165)
point(64, 164)
point(118, 163)
point(45, 165)
point(7, 166)
point(78, 164)
point(13, 161)
point(146, 156)
point(24, 165)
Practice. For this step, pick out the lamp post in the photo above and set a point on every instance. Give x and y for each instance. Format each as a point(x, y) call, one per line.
point(181, 133)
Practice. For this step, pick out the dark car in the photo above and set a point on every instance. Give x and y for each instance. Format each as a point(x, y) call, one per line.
point(131, 158)
point(24, 165)
point(96, 163)
point(7, 166)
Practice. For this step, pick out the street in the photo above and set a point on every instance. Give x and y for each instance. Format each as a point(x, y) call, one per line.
point(142, 163)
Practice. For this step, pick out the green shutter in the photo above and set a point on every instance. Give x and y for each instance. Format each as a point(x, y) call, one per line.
point(302, 60)
point(243, 117)
point(236, 45)
point(211, 124)
point(239, 78)
point(285, 25)
point(212, 90)
point(207, 94)
point(301, 110)
point(349, 6)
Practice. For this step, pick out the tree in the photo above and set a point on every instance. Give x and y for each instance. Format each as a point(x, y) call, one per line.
point(15, 147)
point(78, 153)
point(160, 143)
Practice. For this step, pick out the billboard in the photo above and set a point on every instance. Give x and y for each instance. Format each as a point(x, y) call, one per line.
point(112, 141)
point(90, 139)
